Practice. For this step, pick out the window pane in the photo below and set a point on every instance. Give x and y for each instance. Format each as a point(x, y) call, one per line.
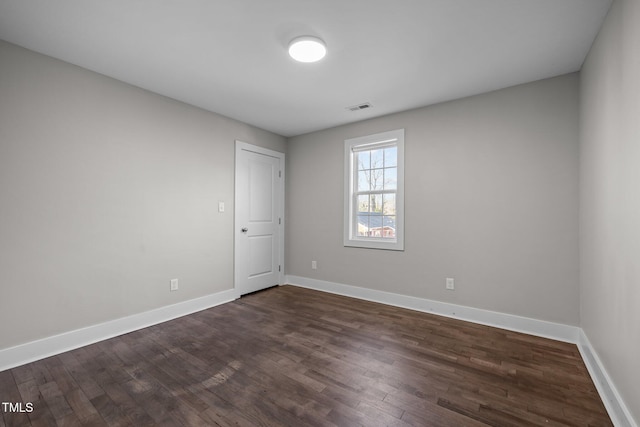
point(375, 204)
point(363, 203)
point(364, 180)
point(389, 204)
point(377, 159)
point(363, 226)
point(377, 179)
point(389, 227)
point(390, 178)
point(363, 160)
point(390, 156)
point(375, 225)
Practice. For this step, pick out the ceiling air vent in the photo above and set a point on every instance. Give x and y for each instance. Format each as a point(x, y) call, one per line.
point(359, 107)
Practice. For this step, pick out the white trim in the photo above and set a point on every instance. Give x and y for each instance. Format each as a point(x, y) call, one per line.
point(616, 408)
point(541, 328)
point(618, 411)
point(50, 346)
point(350, 146)
point(240, 145)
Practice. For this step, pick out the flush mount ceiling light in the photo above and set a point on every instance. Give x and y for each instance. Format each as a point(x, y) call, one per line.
point(307, 49)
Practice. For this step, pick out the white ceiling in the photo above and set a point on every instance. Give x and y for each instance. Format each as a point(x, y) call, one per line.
point(230, 56)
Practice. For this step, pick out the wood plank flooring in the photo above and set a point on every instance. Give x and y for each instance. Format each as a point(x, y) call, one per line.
point(289, 356)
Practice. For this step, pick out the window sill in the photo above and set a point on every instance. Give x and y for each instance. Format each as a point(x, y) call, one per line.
point(375, 244)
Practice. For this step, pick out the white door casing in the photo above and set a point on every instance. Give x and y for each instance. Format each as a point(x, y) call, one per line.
point(259, 218)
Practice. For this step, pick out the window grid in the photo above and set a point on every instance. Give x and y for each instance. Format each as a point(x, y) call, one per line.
point(374, 192)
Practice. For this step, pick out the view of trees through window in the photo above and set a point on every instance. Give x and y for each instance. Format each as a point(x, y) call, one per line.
point(376, 184)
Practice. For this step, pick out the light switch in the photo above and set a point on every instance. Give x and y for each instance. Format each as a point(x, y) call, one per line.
point(450, 284)
point(220, 207)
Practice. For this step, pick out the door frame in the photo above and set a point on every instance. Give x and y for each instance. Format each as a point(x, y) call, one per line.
point(240, 146)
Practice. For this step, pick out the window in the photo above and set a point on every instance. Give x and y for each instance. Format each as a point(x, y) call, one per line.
point(374, 191)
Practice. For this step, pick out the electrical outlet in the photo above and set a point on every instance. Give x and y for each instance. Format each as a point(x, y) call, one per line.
point(174, 285)
point(314, 265)
point(450, 284)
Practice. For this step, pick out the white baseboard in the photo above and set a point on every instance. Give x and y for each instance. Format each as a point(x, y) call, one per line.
point(50, 346)
point(617, 409)
point(510, 322)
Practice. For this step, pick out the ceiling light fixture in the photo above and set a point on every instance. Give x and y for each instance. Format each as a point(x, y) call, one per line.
point(307, 49)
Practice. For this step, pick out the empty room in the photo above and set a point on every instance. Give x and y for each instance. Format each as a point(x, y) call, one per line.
point(320, 213)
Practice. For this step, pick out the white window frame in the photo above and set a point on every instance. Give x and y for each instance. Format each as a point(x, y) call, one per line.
point(384, 139)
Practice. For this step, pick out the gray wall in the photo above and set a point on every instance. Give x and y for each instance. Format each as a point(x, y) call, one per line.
point(491, 200)
point(106, 193)
point(610, 198)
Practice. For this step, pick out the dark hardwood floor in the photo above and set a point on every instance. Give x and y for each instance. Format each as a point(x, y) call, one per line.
point(289, 356)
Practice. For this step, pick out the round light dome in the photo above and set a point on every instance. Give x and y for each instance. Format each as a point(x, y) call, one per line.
point(307, 49)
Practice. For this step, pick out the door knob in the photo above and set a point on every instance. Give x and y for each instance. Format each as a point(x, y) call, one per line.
point(244, 230)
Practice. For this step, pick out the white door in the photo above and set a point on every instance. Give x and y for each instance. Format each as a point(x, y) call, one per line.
point(259, 209)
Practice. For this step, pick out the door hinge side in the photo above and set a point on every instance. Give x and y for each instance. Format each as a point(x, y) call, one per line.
point(278, 268)
point(279, 174)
